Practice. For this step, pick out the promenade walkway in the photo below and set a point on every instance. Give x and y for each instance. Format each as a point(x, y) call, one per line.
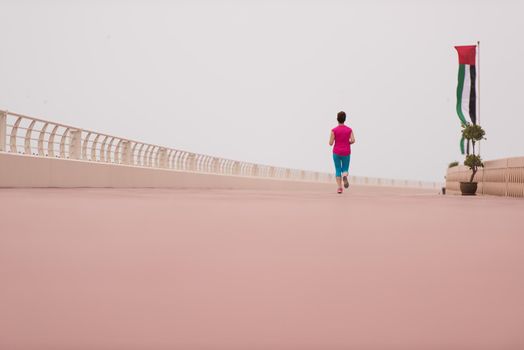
point(375, 268)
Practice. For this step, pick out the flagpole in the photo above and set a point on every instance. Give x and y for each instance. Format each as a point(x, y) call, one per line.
point(478, 79)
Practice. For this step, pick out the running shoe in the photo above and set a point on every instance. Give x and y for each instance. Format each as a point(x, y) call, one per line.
point(339, 191)
point(346, 183)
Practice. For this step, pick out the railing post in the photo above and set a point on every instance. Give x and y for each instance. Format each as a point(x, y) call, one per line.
point(76, 143)
point(3, 130)
point(191, 161)
point(236, 168)
point(126, 153)
point(162, 152)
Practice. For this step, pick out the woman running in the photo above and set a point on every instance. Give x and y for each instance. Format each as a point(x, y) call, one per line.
point(342, 136)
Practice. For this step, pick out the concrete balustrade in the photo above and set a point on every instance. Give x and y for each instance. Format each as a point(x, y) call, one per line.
point(500, 177)
point(57, 145)
point(3, 127)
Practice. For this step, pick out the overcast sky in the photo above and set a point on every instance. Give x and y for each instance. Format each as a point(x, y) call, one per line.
point(262, 81)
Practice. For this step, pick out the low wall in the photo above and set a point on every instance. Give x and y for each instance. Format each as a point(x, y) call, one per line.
point(500, 177)
point(33, 171)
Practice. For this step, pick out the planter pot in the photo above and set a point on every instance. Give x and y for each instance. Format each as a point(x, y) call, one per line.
point(468, 188)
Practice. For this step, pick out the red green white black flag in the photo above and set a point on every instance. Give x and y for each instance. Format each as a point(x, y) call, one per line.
point(466, 87)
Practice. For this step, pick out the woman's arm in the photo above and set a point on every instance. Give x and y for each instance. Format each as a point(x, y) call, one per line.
point(352, 138)
point(331, 139)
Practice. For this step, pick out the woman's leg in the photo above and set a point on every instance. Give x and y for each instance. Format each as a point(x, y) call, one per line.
point(345, 165)
point(339, 181)
point(338, 169)
point(344, 170)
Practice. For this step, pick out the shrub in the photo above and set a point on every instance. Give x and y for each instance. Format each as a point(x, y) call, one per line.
point(473, 132)
point(473, 162)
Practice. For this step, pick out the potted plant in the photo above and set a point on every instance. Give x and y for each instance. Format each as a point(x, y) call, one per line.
point(472, 133)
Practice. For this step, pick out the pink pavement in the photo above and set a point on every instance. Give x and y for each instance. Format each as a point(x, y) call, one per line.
point(374, 268)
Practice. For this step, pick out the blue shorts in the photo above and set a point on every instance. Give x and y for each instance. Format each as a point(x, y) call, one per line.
point(341, 164)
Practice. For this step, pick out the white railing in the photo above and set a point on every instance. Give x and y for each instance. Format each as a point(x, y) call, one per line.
point(32, 136)
point(22, 134)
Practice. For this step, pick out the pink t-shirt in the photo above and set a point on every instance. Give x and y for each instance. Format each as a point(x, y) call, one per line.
point(342, 146)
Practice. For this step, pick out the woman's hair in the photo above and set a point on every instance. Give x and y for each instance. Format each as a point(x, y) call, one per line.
point(341, 117)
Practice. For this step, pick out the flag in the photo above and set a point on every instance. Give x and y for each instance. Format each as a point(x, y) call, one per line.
point(466, 87)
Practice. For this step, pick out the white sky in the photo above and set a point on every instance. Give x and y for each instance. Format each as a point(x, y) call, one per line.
point(262, 81)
